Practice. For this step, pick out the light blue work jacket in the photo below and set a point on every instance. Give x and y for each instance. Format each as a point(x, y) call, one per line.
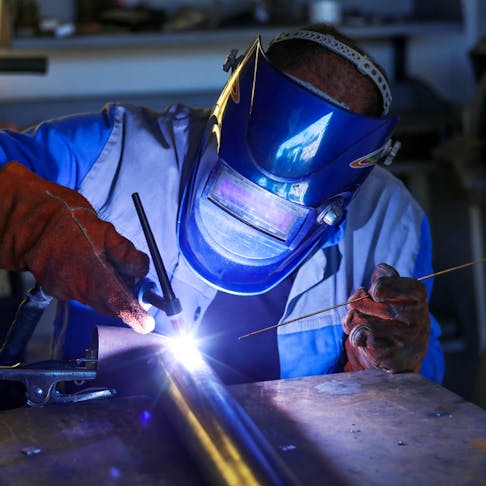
point(124, 149)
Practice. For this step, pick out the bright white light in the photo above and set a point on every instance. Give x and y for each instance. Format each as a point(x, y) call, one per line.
point(185, 350)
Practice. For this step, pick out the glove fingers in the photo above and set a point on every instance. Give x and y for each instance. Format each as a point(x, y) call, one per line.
point(388, 344)
point(359, 335)
point(72, 264)
point(122, 304)
point(386, 284)
point(364, 331)
point(398, 289)
point(118, 259)
point(405, 297)
point(364, 304)
point(109, 271)
point(103, 238)
point(123, 255)
point(114, 298)
point(388, 327)
point(382, 270)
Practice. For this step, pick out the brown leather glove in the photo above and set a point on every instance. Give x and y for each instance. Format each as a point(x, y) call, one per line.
point(54, 232)
point(390, 327)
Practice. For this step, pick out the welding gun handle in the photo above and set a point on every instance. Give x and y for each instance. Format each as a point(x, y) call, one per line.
point(154, 251)
point(171, 307)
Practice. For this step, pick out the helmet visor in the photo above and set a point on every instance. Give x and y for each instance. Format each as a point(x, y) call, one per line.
point(254, 206)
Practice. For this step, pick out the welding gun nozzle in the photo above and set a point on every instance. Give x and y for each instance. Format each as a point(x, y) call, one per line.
point(172, 308)
point(178, 323)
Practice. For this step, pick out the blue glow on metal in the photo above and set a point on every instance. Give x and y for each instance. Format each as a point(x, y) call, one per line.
point(145, 417)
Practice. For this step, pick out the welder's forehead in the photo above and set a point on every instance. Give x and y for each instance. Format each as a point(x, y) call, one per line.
point(340, 83)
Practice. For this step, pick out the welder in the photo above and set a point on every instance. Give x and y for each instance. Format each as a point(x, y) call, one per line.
point(271, 205)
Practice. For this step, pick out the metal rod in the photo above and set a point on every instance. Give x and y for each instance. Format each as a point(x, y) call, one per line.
point(452, 269)
point(223, 440)
point(425, 277)
point(320, 311)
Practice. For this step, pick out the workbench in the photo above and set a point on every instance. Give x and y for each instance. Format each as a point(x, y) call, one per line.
point(368, 427)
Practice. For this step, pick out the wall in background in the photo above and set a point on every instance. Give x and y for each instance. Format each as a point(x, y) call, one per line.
point(439, 59)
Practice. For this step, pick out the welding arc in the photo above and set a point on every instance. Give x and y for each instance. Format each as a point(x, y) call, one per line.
point(321, 311)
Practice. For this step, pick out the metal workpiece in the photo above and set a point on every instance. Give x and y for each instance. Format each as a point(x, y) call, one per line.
point(223, 440)
point(217, 430)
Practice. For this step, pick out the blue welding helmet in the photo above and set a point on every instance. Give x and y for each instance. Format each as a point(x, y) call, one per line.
point(277, 167)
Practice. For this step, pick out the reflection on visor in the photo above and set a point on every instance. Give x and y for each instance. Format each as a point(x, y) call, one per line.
point(303, 146)
point(255, 206)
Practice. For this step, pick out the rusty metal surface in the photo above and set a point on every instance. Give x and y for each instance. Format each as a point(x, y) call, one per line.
point(371, 428)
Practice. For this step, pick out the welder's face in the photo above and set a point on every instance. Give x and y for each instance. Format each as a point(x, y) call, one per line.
point(277, 160)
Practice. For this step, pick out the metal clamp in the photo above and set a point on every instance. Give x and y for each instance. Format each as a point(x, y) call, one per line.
point(41, 379)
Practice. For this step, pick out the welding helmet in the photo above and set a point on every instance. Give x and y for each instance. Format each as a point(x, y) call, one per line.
point(277, 167)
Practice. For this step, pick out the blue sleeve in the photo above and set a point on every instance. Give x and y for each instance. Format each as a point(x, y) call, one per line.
point(61, 150)
point(433, 365)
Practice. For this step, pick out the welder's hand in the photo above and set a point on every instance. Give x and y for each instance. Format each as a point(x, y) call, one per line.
point(389, 328)
point(54, 232)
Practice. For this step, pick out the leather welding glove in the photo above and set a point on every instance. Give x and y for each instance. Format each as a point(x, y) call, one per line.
point(54, 232)
point(389, 327)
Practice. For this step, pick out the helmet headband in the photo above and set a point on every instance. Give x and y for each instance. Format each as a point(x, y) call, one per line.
point(362, 62)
